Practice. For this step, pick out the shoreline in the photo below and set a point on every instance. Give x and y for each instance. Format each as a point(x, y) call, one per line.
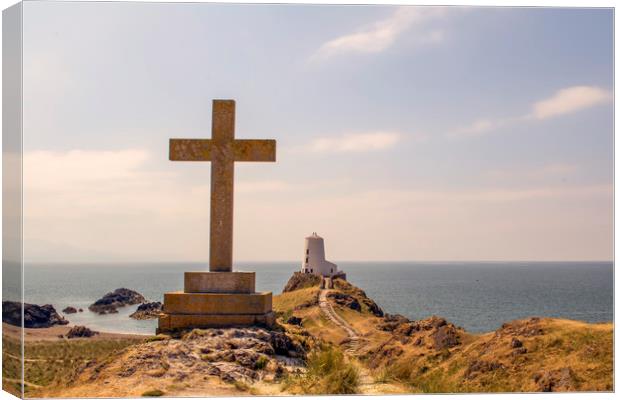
point(51, 333)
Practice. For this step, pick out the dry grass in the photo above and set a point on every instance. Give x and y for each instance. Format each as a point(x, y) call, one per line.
point(328, 372)
point(52, 363)
point(586, 350)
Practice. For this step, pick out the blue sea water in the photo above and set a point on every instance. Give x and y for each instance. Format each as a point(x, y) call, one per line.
point(478, 296)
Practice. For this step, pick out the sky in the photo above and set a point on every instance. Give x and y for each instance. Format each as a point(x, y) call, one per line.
point(403, 133)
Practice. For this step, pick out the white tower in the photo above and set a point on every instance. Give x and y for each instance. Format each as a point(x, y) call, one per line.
point(314, 258)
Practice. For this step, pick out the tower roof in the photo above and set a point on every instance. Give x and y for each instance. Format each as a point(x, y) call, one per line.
point(314, 236)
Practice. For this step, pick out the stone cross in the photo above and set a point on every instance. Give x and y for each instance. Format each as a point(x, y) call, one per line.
point(222, 150)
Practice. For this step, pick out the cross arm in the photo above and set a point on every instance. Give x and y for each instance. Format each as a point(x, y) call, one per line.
point(255, 150)
point(190, 150)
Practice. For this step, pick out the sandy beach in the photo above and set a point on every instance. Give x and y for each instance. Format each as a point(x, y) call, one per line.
point(52, 333)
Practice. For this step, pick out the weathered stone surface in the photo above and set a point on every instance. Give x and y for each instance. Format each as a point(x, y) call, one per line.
point(118, 298)
point(217, 303)
point(222, 150)
point(220, 282)
point(233, 355)
point(147, 311)
point(35, 316)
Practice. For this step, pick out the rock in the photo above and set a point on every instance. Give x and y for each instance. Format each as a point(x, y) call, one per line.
point(562, 379)
point(35, 316)
point(391, 322)
point(293, 320)
point(445, 337)
point(69, 310)
point(345, 300)
point(118, 298)
point(516, 343)
point(527, 328)
point(283, 345)
point(373, 307)
point(518, 351)
point(148, 311)
point(80, 310)
point(300, 280)
point(80, 331)
point(433, 322)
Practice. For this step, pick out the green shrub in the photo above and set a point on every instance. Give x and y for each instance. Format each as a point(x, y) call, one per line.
point(153, 393)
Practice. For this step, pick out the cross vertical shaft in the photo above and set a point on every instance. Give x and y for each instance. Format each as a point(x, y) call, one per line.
point(222, 181)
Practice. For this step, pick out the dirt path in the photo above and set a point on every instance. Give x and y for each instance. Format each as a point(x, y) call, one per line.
point(367, 384)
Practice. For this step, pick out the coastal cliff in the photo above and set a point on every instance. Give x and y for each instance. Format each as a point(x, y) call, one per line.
point(325, 341)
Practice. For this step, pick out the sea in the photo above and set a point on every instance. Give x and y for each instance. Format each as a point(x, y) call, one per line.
point(478, 296)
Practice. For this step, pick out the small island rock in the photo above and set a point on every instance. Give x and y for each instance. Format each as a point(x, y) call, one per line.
point(69, 310)
point(119, 298)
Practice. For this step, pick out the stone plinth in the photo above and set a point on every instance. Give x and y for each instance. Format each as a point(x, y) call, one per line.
point(216, 299)
point(219, 282)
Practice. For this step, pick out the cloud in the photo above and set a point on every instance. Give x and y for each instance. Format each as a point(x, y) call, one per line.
point(565, 101)
point(355, 143)
point(382, 34)
point(570, 100)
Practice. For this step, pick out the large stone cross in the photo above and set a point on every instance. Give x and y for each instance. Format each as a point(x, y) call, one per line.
point(222, 150)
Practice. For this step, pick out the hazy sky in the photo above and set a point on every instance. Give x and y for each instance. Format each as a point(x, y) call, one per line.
point(404, 133)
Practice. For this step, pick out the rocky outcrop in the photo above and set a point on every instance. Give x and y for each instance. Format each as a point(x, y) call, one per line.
point(234, 355)
point(366, 303)
point(35, 316)
point(69, 310)
point(80, 332)
point(147, 311)
point(119, 298)
point(301, 281)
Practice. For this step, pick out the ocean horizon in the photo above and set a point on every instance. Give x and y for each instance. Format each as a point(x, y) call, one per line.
point(477, 295)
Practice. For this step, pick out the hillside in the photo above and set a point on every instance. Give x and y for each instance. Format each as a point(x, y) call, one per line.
point(326, 341)
point(433, 355)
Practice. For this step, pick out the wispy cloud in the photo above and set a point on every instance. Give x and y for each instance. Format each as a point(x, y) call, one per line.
point(565, 101)
point(354, 143)
point(570, 100)
point(383, 34)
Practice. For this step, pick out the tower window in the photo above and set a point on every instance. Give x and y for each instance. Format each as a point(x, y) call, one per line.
point(307, 251)
point(306, 260)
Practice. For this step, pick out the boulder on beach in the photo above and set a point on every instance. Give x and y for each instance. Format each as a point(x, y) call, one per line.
point(148, 311)
point(80, 331)
point(69, 310)
point(119, 298)
point(35, 316)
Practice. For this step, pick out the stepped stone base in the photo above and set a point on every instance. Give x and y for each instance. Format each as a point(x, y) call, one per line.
point(217, 303)
point(216, 300)
point(172, 322)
